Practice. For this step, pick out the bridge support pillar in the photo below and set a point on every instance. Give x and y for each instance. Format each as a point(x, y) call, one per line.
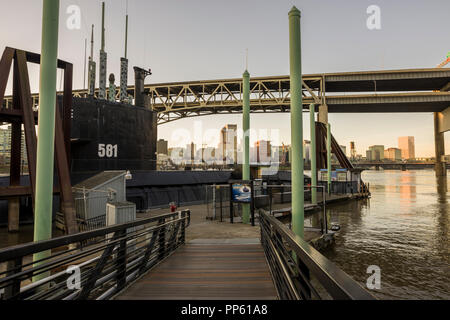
point(439, 146)
point(13, 214)
point(323, 114)
point(298, 195)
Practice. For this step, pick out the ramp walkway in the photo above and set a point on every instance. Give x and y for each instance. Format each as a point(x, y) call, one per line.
point(218, 269)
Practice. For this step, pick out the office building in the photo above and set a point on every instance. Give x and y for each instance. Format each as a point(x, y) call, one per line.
point(393, 154)
point(352, 150)
point(406, 144)
point(376, 153)
point(263, 151)
point(228, 144)
point(162, 147)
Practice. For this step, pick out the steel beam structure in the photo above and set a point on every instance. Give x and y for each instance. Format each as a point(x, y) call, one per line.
point(23, 111)
point(370, 91)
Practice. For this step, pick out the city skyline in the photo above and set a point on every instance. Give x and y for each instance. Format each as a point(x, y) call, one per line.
point(392, 152)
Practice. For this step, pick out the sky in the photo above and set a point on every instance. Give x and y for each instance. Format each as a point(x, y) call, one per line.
point(182, 40)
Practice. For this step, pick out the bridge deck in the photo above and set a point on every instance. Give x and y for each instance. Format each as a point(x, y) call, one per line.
point(207, 271)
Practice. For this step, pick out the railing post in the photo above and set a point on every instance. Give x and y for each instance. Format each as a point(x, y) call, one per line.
point(270, 200)
point(214, 202)
point(231, 204)
point(303, 269)
point(183, 227)
point(14, 266)
point(122, 260)
point(221, 206)
point(162, 240)
point(252, 204)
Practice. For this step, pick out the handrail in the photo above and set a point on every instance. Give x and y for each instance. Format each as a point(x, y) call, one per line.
point(107, 259)
point(21, 250)
point(298, 261)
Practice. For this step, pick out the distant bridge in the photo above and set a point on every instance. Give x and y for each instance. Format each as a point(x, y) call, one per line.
point(408, 90)
point(397, 166)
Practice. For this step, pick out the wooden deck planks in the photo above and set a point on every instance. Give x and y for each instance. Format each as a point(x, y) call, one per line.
point(199, 271)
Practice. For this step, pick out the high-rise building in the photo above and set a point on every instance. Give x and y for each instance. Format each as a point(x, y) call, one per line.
point(189, 153)
point(352, 150)
point(393, 154)
point(263, 151)
point(162, 147)
point(228, 143)
point(209, 155)
point(5, 146)
point(306, 150)
point(406, 144)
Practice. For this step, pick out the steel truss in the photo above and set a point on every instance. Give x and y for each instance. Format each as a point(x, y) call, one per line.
point(174, 101)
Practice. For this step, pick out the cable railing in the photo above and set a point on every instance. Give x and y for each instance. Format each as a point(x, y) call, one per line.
point(94, 264)
point(299, 271)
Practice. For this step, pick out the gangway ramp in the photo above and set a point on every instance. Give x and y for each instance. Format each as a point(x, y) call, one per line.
point(219, 269)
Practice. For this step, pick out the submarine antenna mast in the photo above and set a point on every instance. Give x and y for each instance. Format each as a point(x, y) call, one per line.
point(91, 72)
point(103, 60)
point(124, 65)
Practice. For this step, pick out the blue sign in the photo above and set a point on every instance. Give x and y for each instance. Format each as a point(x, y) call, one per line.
point(241, 192)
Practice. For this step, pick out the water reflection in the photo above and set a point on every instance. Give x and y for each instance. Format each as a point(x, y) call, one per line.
point(403, 228)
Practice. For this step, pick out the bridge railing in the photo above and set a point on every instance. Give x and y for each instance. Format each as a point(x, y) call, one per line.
point(90, 265)
point(299, 271)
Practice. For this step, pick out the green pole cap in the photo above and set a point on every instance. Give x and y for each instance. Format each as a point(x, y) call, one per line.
point(294, 12)
point(246, 74)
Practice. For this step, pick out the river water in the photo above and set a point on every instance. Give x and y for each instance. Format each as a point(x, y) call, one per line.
point(404, 229)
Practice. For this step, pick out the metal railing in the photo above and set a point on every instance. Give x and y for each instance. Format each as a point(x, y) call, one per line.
point(301, 272)
point(217, 200)
point(282, 194)
point(107, 260)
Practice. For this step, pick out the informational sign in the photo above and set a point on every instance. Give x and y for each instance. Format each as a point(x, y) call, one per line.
point(341, 174)
point(324, 175)
point(241, 192)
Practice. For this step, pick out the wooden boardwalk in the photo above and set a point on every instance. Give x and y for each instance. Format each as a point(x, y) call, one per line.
point(219, 271)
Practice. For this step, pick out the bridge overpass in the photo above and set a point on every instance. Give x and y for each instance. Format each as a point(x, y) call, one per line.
point(406, 90)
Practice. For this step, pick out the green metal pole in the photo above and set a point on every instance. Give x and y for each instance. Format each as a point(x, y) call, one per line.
point(46, 126)
point(103, 27)
point(329, 156)
point(313, 154)
point(296, 122)
point(126, 36)
point(246, 129)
